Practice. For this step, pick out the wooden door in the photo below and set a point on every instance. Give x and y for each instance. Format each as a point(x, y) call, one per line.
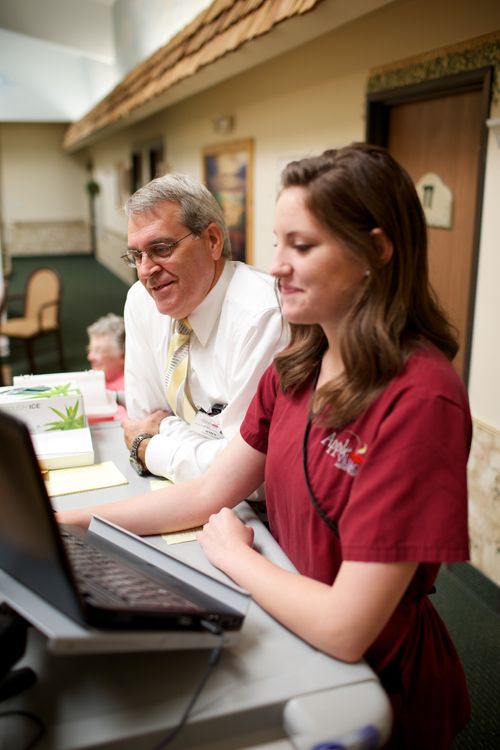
point(443, 136)
point(439, 127)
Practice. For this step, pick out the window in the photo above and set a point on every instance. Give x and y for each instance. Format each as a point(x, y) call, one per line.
point(147, 162)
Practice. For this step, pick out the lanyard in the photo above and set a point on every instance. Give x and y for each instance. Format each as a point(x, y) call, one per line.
point(331, 524)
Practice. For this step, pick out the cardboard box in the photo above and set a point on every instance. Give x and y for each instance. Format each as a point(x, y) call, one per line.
point(56, 419)
point(45, 408)
point(97, 401)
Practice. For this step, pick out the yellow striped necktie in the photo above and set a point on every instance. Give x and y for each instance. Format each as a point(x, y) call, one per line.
point(178, 395)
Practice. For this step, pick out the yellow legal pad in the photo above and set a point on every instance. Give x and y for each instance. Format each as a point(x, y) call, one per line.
point(84, 478)
point(176, 537)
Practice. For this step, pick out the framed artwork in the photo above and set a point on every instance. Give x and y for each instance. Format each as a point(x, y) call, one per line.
point(228, 174)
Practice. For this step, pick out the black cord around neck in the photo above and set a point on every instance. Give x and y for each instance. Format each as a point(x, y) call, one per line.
point(331, 524)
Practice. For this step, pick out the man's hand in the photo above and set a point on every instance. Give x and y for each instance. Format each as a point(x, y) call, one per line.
point(151, 424)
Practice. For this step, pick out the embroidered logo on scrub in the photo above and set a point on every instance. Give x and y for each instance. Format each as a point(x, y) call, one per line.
point(347, 451)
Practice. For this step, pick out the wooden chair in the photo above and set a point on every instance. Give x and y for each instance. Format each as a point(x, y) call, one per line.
point(41, 313)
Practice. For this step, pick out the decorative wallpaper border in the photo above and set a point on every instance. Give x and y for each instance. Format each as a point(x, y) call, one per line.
point(47, 237)
point(459, 58)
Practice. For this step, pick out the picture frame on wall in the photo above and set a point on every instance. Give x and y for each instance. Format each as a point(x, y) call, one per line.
point(228, 174)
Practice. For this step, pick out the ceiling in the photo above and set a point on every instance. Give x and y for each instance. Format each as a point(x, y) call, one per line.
point(83, 26)
point(59, 57)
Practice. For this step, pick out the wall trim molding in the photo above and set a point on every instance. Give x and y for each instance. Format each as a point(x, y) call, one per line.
point(472, 54)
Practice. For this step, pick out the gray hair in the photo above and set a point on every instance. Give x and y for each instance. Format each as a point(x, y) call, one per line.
point(199, 207)
point(110, 325)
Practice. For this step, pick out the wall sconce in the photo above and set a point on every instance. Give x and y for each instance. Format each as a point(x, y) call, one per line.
point(224, 124)
point(494, 124)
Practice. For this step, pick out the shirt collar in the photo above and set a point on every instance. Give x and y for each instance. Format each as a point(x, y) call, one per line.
point(206, 315)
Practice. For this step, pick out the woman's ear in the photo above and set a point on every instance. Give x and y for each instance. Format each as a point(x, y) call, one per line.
point(384, 244)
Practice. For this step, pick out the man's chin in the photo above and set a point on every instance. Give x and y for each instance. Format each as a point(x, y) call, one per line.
point(164, 301)
point(170, 309)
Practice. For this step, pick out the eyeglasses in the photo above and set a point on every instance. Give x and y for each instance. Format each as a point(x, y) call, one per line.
point(160, 251)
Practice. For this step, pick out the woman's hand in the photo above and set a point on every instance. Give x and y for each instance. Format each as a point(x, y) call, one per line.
point(222, 537)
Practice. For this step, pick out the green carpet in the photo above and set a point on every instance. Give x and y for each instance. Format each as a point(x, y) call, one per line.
point(89, 291)
point(469, 603)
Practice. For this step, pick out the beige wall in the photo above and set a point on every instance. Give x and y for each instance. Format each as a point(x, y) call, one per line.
point(304, 101)
point(44, 206)
point(485, 369)
point(484, 464)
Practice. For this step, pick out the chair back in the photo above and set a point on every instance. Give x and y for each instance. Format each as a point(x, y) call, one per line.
point(42, 298)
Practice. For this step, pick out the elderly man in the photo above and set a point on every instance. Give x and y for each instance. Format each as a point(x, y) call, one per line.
point(200, 330)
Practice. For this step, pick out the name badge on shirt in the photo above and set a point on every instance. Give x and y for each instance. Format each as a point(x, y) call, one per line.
point(207, 425)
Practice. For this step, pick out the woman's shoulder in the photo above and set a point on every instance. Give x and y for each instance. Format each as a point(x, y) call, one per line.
point(428, 371)
point(270, 379)
point(269, 389)
point(426, 396)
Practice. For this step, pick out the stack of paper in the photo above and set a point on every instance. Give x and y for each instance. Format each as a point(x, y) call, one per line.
point(64, 448)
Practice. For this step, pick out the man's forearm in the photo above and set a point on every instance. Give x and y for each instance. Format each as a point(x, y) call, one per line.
point(180, 454)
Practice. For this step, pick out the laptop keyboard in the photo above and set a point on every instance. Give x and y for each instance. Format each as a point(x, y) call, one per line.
point(102, 573)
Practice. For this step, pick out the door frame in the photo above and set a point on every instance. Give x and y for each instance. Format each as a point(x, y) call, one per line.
point(378, 106)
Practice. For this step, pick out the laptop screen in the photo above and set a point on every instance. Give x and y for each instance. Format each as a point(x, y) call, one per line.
point(90, 579)
point(31, 550)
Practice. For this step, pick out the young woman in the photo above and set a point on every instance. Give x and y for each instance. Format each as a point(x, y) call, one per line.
point(361, 429)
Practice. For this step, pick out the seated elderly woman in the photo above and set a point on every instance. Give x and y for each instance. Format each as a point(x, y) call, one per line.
point(106, 351)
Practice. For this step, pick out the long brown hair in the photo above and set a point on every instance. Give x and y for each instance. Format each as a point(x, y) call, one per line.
point(353, 191)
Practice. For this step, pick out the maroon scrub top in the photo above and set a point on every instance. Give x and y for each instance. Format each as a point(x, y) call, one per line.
point(395, 482)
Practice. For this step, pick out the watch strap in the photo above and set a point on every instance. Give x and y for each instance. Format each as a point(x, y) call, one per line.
point(134, 448)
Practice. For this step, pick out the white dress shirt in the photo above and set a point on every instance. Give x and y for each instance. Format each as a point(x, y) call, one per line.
point(237, 330)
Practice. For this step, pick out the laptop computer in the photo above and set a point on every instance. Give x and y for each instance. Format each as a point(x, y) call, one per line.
point(85, 576)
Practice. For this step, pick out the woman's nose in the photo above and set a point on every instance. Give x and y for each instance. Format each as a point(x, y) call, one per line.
point(280, 268)
point(280, 265)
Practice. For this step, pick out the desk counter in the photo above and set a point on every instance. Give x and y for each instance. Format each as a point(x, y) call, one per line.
point(270, 691)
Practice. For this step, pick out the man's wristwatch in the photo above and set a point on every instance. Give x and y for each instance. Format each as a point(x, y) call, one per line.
point(134, 458)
